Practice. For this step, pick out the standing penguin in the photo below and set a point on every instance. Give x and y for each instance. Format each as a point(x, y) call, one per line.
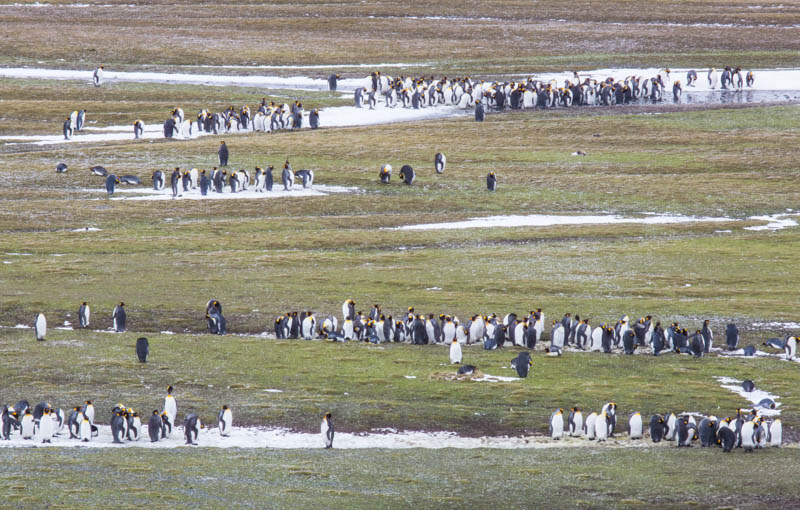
point(119, 317)
point(8, 420)
point(80, 120)
point(175, 181)
point(158, 180)
point(223, 154)
point(66, 129)
point(479, 113)
point(326, 429)
point(522, 363)
point(601, 427)
point(491, 181)
point(88, 411)
point(708, 336)
point(118, 426)
point(138, 129)
point(657, 428)
point(205, 183)
point(348, 309)
point(191, 428)
point(707, 432)
point(635, 426)
point(732, 337)
point(142, 349)
point(407, 174)
point(439, 162)
point(225, 421)
point(155, 426)
point(455, 352)
point(170, 404)
point(575, 422)
point(97, 76)
point(134, 425)
point(85, 430)
point(84, 314)
point(358, 97)
point(557, 424)
point(46, 426)
point(287, 176)
point(332, 81)
point(27, 425)
point(40, 327)
point(313, 118)
point(111, 184)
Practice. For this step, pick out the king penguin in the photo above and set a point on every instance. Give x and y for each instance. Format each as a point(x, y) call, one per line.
point(111, 184)
point(40, 327)
point(455, 352)
point(657, 428)
point(46, 426)
point(154, 427)
point(222, 153)
point(407, 174)
point(439, 162)
point(191, 428)
point(557, 424)
point(119, 317)
point(27, 425)
point(491, 181)
point(61, 168)
point(84, 314)
point(84, 429)
point(225, 421)
point(386, 173)
point(170, 405)
point(326, 429)
point(142, 349)
point(575, 422)
point(635, 426)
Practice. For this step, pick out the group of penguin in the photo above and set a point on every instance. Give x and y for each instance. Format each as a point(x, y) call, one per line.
point(119, 320)
point(408, 175)
point(747, 429)
point(43, 422)
point(268, 117)
point(73, 123)
point(526, 331)
point(465, 92)
point(218, 180)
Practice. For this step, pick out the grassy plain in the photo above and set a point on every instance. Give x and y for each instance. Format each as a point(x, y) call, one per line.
point(264, 257)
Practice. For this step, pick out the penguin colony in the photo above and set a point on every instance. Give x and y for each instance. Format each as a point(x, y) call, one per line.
point(42, 422)
point(747, 429)
point(492, 331)
point(421, 92)
point(216, 181)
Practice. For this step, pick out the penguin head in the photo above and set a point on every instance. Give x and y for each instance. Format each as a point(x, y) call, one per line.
point(155, 412)
point(88, 402)
point(169, 390)
point(328, 416)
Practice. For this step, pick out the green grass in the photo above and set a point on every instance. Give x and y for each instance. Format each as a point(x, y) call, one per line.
point(572, 478)
point(365, 386)
point(265, 257)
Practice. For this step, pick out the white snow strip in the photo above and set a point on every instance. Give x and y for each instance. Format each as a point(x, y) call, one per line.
point(546, 220)
point(765, 79)
point(754, 397)
point(272, 390)
point(774, 222)
point(337, 116)
point(779, 325)
point(255, 437)
point(319, 190)
point(410, 376)
point(87, 229)
point(495, 378)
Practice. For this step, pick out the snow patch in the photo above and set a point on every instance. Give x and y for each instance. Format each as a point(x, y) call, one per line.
point(166, 194)
point(495, 378)
point(278, 438)
point(546, 220)
point(754, 397)
point(774, 222)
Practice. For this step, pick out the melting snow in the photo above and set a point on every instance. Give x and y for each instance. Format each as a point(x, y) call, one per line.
point(277, 192)
point(544, 220)
point(754, 397)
